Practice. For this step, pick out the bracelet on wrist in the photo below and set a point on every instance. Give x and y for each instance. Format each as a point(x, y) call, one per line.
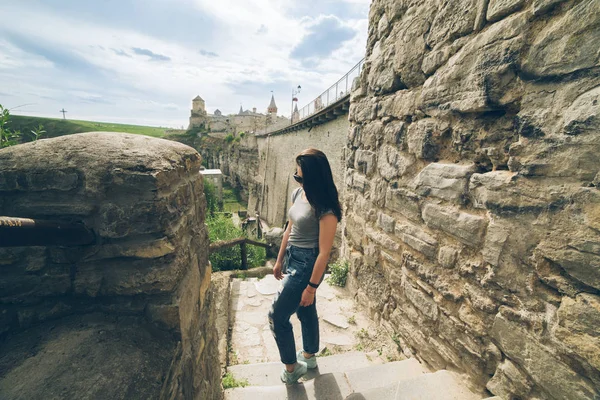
point(313, 285)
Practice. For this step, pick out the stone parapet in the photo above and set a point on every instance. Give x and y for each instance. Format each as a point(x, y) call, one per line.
point(144, 200)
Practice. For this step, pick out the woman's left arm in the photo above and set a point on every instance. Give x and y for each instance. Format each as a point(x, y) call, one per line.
point(327, 229)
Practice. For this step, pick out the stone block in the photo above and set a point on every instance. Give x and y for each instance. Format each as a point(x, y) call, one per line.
point(544, 368)
point(417, 238)
point(579, 258)
point(467, 228)
point(578, 322)
point(382, 239)
point(481, 75)
point(372, 135)
point(404, 202)
point(394, 133)
point(452, 20)
point(421, 301)
point(393, 163)
point(386, 222)
point(423, 138)
point(498, 9)
point(128, 277)
point(141, 249)
point(566, 44)
point(440, 55)
point(447, 256)
point(583, 116)
point(540, 7)
point(509, 381)
point(39, 180)
point(359, 182)
point(364, 162)
point(495, 239)
point(445, 181)
point(399, 105)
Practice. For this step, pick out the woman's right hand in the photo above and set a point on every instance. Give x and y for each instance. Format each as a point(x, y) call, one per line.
point(277, 271)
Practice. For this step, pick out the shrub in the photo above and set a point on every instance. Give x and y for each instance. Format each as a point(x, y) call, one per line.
point(339, 273)
point(213, 203)
point(242, 134)
point(229, 381)
point(221, 227)
point(229, 138)
point(8, 137)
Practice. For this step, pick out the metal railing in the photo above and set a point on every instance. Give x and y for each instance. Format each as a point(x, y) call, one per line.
point(35, 232)
point(336, 92)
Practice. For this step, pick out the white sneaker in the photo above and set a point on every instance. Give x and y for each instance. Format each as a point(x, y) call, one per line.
point(311, 363)
point(290, 378)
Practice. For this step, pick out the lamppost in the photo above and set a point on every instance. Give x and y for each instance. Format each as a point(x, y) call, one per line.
point(294, 98)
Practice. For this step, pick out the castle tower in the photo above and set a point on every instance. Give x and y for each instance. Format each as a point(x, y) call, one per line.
point(198, 105)
point(241, 110)
point(272, 109)
point(198, 117)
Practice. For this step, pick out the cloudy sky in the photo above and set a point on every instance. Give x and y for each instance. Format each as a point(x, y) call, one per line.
point(142, 61)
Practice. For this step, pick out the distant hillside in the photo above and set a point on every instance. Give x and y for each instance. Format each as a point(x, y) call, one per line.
point(60, 127)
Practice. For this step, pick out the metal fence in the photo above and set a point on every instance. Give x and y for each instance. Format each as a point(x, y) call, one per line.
point(336, 92)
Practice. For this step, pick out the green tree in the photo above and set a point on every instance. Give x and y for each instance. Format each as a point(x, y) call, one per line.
point(8, 137)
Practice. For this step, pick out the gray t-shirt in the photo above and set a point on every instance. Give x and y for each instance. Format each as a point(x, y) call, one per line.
point(305, 225)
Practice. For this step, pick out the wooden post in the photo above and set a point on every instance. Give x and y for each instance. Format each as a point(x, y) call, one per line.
point(244, 252)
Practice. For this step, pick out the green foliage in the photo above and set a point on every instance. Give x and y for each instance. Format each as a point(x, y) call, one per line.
point(231, 199)
point(352, 320)
point(242, 134)
point(237, 139)
point(229, 138)
point(213, 203)
point(362, 334)
point(325, 353)
point(8, 137)
point(38, 132)
point(339, 273)
point(229, 381)
point(221, 227)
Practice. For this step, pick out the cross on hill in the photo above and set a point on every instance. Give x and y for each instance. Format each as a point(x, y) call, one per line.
point(63, 111)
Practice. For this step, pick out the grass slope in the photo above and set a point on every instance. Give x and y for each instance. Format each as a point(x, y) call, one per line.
point(59, 127)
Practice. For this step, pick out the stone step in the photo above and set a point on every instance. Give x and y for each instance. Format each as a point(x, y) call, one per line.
point(378, 376)
point(441, 385)
point(387, 392)
point(267, 374)
point(323, 387)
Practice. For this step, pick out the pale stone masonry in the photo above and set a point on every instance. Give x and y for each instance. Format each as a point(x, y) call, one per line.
point(472, 189)
point(129, 315)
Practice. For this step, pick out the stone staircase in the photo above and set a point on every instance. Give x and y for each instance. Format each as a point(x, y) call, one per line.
point(351, 376)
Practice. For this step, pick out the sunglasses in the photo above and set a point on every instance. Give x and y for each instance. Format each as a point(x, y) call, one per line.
point(298, 178)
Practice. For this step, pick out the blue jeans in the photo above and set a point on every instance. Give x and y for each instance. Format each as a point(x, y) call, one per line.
point(298, 263)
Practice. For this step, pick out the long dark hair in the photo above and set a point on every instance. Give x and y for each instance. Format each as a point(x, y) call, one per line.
point(318, 183)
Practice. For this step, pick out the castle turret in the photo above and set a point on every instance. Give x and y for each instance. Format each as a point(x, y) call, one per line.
point(272, 110)
point(198, 118)
point(198, 105)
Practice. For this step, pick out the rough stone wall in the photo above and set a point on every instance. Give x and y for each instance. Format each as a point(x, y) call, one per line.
point(238, 161)
point(143, 198)
point(277, 155)
point(473, 189)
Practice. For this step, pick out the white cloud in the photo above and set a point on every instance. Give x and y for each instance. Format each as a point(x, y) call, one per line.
point(55, 59)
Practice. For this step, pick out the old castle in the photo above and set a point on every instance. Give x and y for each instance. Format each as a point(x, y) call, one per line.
point(244, 121)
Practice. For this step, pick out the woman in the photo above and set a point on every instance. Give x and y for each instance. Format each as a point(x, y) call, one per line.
point(305, 249)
